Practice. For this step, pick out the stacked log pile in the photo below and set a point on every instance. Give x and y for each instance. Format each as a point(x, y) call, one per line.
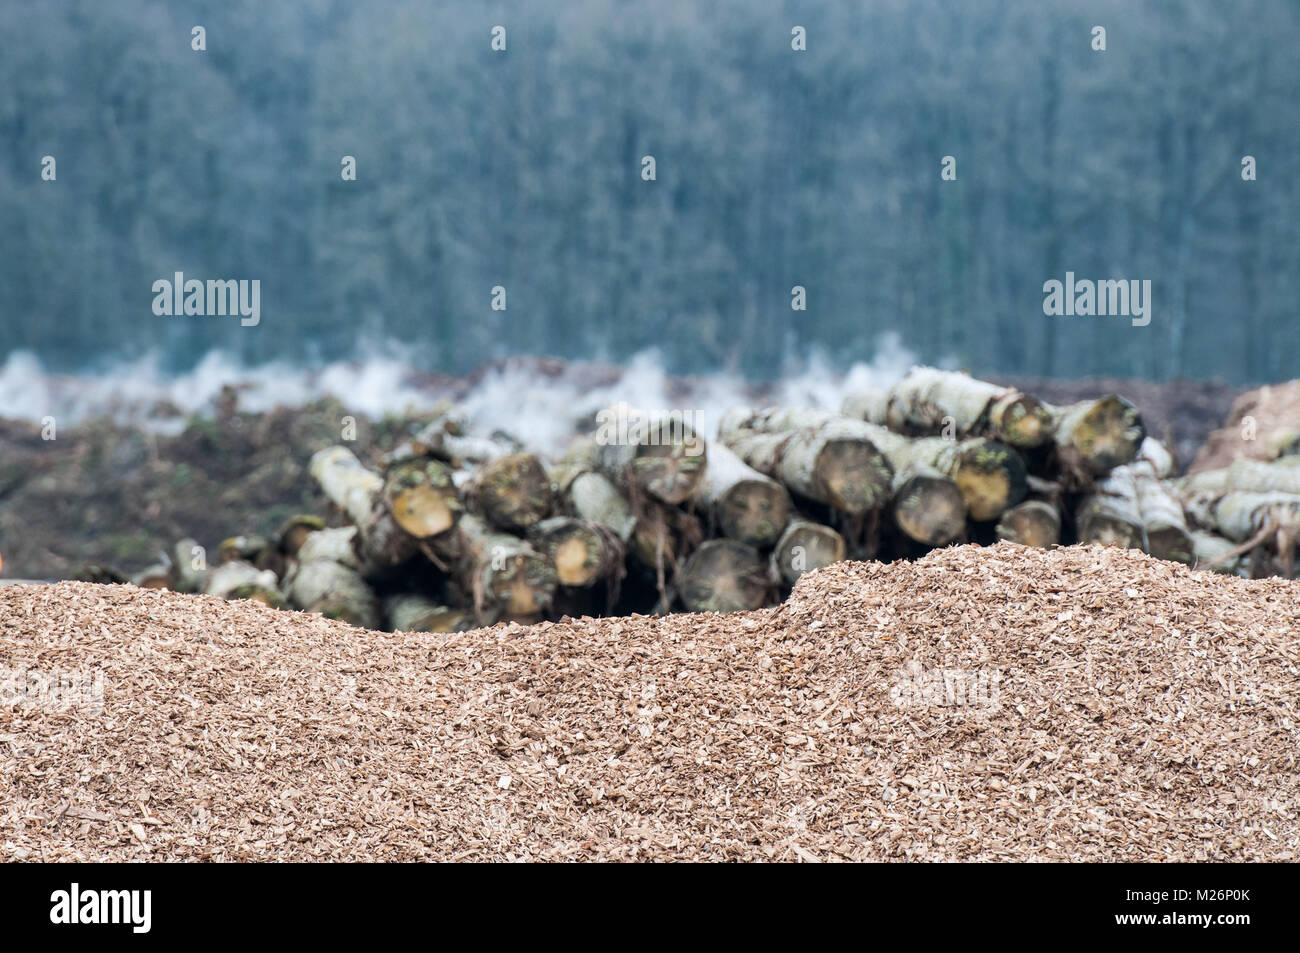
point(453, 530)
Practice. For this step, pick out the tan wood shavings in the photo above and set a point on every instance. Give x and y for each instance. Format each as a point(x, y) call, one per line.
point(979, 704)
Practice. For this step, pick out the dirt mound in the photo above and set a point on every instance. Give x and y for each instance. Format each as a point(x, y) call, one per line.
point(977, 704)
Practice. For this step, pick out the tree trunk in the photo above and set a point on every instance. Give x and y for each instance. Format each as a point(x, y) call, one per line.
point(1095, 436)
point(415, 500)
point(1031, 523)
point(242, 580)
point(407, 612)
point(512, 492)
point(593, 497)
point(723, 575)
point(748, 507)
point(805, 546)
point(326, 578)
point(928, 401)
point(583, 553)
point(661, 460)
point(506, 577)
point(823, 456)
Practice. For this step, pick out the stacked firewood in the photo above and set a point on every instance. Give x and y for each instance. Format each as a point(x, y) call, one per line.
point(453, 529)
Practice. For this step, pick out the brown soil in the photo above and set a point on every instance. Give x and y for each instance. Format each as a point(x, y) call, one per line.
point(1105, 705)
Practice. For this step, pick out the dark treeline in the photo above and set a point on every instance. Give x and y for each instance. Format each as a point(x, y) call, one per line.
point(774, 169)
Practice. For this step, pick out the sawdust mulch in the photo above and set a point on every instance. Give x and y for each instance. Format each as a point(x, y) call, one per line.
point(981, 704)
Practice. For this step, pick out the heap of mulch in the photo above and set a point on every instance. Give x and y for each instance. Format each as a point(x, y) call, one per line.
point(978, 704)
point(1275, 412)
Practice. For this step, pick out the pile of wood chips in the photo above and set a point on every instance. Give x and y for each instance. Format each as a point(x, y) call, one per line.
point(978, 704)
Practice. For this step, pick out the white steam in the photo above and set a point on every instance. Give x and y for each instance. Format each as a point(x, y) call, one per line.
point(544, 407)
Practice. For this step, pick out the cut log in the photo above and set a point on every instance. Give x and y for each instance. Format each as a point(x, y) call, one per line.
point(247, 548)
point(326, 579)
point(805, 546)
point(422, 497)
point(415, 500)
point(747, 506)
point(513, 492)
point(990, 475)
point(661, 458)
point(1031, 523)
point(1240, 515)
point(157, 576)
point(1217, 554)
point(584, 553)
point(1095, 436)
point(295, 530)
point(593, 497)
point(445, 439)
point(723, 575)
point(869, 405)
point(407, 612)
point(929, 401)
point(242, 580)
point(823, 456)
point(507, 578)
point(1254, 476)
point(1110, 516)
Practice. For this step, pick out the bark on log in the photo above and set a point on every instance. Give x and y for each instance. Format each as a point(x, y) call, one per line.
point(823, 456)
point(326, 579)
point(747, 506)
point(661, 458)
point(723, 575)
point(407, 612)
point(1254, 476)
point(1211, 549)
point(506, 577)
point(594, 497)
point(1110, 517)
point(242, 580)
point(1031, 523)
point(803, 547)
point(927, 399)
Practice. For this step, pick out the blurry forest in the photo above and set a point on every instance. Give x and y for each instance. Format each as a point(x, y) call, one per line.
point(775, 169)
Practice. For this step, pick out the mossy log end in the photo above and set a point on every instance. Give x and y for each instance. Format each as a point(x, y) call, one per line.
point(422, 497)
point(723, 575)
point(512, 492)
point(667, 467)
point(1096, 436)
